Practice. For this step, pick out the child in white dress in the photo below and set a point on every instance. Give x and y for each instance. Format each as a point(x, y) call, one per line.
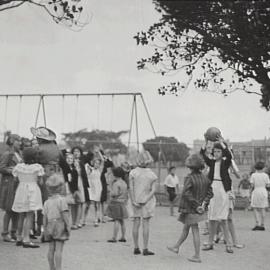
point(28, 196)
point(259, 197)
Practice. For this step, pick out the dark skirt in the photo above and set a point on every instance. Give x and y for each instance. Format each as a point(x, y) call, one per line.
point(117, 210)
point(104, 191)
point(189, 218)
point(8, 188)
point(172, 194)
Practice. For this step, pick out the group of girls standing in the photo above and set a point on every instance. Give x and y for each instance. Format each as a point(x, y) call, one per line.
point(85, 177)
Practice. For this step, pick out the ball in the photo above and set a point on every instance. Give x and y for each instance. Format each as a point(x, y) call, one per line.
point(212, 134)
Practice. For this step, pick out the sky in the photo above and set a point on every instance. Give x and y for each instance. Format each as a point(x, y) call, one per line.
point(39, 56)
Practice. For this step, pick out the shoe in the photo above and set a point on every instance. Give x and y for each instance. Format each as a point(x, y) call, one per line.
point(112, 240)
point(195, 259)
point(229, 249)
point(74, 227)
point(137, 251)
point(7, 238)
point(217, 240)
point(122, 240)
point(19, 243)
point(147, 252)
point(261, 228)
point(96, 224)
point(173, 249)
point(79, 226)
point(208, 247)
point(239, 246)
point(14, 237)
point(256, 228)
point(32, 236)
point(29, 245)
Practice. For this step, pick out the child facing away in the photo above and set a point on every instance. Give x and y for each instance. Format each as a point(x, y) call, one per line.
point(56, 221)
point(28, 196)
point(259, 196)
point(196, 195)
point(117, 206)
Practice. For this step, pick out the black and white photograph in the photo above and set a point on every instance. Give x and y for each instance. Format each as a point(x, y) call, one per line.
point(134, 134)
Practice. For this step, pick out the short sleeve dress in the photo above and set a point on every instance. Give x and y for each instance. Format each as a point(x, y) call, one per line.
point(28, 195)
point(259, 196)
point(141, 181)
point(55, 227)
point(95, 186)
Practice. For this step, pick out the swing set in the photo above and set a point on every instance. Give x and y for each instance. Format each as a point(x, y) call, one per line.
point(41, 106)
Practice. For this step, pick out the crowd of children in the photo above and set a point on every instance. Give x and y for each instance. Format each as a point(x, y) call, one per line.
point(39, 180)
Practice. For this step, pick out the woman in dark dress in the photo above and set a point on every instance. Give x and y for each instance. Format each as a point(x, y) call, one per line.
point(8, 186)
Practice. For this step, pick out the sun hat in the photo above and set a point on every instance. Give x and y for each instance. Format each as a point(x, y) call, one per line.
point(43, 133)
point(195, 161)
point(144, 158)
point(55, 183)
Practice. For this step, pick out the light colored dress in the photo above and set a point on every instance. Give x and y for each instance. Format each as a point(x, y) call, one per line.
point(220, 204)
point(55, 227)
point(95, 186)
point(141, 181)
point(259, 196)
point(28, 195)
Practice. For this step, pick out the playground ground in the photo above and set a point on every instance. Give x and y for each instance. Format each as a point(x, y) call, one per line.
point(88, 249)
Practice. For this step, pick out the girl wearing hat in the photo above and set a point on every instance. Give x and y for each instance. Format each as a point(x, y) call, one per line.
point(142, 190)
point(56, 221)
point(8, 185)
point(221, 184)
point(28, 196)
point(195, 198)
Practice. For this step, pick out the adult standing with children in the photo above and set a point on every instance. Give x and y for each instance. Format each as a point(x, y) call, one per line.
point(9, 160)
point(142, 190)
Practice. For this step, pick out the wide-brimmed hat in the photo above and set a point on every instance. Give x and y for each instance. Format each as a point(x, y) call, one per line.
point(55, 183)
point(144, 158)
point(195, 161)
point(43, 133)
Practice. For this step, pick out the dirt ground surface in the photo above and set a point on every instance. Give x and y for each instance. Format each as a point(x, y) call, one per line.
point(88, 249)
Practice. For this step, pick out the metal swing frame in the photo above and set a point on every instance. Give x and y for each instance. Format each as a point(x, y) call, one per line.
point(134, 110)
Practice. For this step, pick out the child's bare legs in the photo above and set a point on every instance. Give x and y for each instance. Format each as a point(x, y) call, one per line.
point(123, 228)
point(212, 230)
point(97, 212)
point(115, 229)
point(196, 242)
point(145, 223)
point(20, 226)
point(73, 213)
point(58, 254)
point(51, 255)
point(27, 226)
point(102, 211)
point(135, 231)
point(256, 216)
point(86, 211)
point(181, 240)
point(225, 228)
point(262, 216)
point(79, 214)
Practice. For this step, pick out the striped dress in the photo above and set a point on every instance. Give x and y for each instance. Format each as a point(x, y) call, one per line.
point(197, 189)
